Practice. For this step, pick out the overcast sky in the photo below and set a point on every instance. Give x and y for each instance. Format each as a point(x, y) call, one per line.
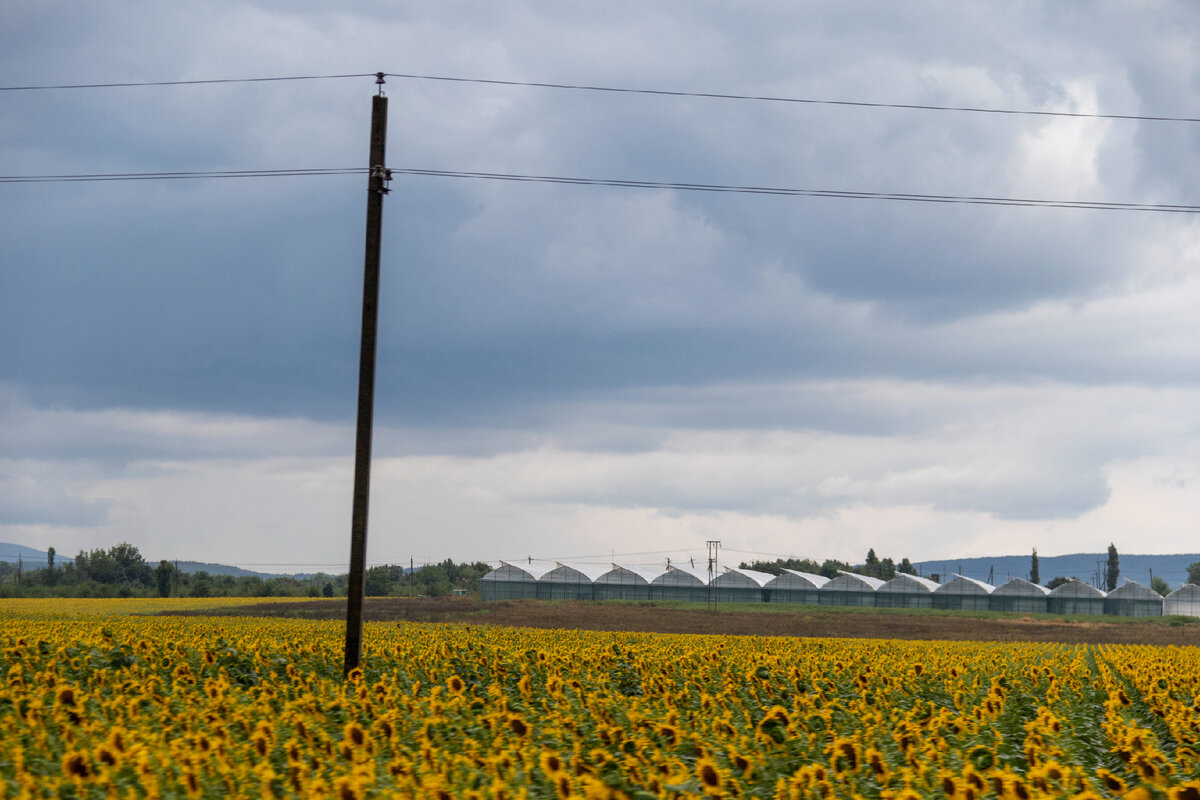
point(596, 372)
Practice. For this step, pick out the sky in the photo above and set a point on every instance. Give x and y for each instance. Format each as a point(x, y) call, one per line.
point(589, 372)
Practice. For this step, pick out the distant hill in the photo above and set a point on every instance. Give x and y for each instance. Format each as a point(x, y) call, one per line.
point(29, 557)
point(217, 569)
point(32, 558)
point(1084, 566)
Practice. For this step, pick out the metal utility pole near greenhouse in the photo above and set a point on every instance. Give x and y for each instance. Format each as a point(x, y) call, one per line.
point(377, 187)
point(713, 547)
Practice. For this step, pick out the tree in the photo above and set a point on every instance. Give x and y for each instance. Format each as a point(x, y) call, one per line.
point(887, 569)
point(1113, 570)
point(1159, 585)
point(1194, 573)
point(164, 575)
point(51, 576)
point(131, 567)
point(377, 582)
point(1034, 576)
point(906, 567)
point(1057, 582)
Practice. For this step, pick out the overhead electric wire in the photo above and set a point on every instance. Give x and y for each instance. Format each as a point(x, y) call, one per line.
point(130, 84)
point(833, 193)
point(799, 100)
point(160, 176)
point(1086, 205)
point(583, 87)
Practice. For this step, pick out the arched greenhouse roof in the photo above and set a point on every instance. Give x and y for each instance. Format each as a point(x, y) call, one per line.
point(1076, 588)
point(909, 584)
point(574, 573)
point(793, 579)
point(520, 570)
point(961, 584)
point(1132, 590)
point(1184, 601)
point(742, 578)
point(623, 574)
point(851, 581)
point(682, 576)
point(1189, 591)
point(1019, 587)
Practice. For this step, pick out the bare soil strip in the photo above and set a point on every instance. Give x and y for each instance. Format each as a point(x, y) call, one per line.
point(866, 623)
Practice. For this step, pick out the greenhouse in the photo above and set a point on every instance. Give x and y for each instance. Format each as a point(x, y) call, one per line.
point(1019, 595)
point(906, 591)
point(1132, 599)
point(740, 585)
point(791, 586)
point(570, 582)
point(849, 589)
point(963, 594)
point(1075, 597)
point(625, 583)
point(680, 583)
point(1184, 601)
point(513, 580)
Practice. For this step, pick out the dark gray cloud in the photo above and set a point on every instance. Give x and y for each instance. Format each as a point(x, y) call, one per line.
point(517, 315)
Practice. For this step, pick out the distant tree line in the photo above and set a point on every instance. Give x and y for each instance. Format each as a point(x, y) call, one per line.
point(121, 571)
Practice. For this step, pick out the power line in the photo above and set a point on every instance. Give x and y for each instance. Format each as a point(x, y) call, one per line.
point(158, 176)
point(1086, 205)
point(618, 90)
point(831, 193)
point(799, 100)
point(129, 84)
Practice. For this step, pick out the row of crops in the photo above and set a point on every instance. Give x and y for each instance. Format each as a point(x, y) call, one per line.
point(107, 705)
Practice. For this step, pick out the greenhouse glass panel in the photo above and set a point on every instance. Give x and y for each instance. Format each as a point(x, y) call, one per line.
point(512, 581)
point(1021, 596)
point(740, 586)
point(624, 583)
point(791, 586)
point(1075, 597)
point(1132, 599)
point(849, 589)
point(963, 594)
point(906, 591)
point(569, 582)
point(680, 584)
point(1184, 601)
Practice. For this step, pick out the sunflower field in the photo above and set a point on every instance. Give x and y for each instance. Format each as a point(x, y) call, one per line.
point(98, 701)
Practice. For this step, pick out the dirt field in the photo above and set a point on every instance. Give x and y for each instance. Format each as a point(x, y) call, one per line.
point(753, 620)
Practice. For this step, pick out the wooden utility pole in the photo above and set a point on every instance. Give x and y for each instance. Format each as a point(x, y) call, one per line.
point(377, 187)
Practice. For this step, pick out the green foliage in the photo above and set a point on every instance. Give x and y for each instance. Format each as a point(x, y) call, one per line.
point(1056, 582)
point(430, 580)
point(1159, 585)
point(873, 567)
point(1113, 570)
point(1194, 573)
point(164, 576)
point(1034, 574)
point(777, 566)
